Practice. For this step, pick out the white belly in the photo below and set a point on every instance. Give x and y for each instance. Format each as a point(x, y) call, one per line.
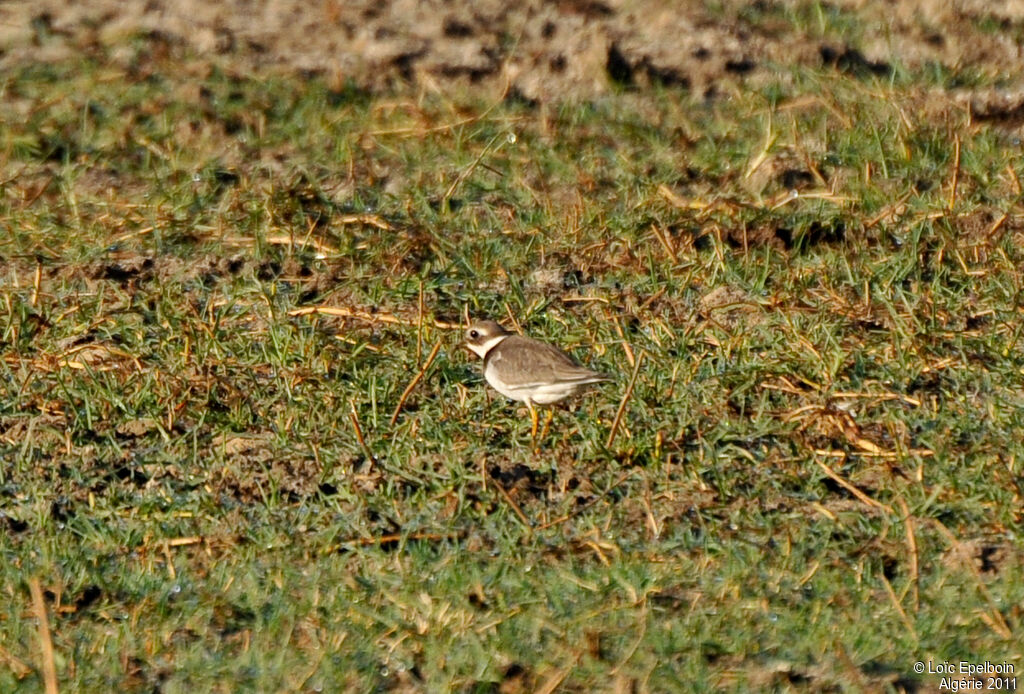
point(537, 394)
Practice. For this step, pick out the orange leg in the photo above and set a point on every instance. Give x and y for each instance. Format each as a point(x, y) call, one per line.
point(549, 415)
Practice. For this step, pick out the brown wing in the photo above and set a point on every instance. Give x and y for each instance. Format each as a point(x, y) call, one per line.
point(539, 362)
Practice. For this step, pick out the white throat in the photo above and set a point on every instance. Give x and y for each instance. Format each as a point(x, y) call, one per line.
point(482, 350)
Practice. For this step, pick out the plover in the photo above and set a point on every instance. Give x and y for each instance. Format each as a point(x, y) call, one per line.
point(526, 370)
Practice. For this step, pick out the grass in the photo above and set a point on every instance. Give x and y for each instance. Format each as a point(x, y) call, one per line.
point(815, 482)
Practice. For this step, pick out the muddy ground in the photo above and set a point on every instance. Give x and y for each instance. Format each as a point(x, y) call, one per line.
point(542, 51)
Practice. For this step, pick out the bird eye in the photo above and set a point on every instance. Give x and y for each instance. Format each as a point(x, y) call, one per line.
point(473, 334)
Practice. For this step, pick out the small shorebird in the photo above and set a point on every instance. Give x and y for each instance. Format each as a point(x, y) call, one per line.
point(526, 370)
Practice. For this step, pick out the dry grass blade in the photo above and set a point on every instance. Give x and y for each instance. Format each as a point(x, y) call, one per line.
point(398, 537)
point(354, 416)
point(662, 237)
point(21, 670)
point(370, 316)
point(852, 489)
point(877, 396)
point(553, 681)
point(898, 607)
point(955, 177)
point(891, 211)
point(863, 453)
point(172, 573)
point(368, 219)
point(762, 156)
point(625, 400)
point(415, 380)
point(630, 357)
point(583, 299)
point(420, 313)
point(913, 578)
point(677, 200)
point(288, 240)
point(48, 665)
point(512, 504)
point(495, 144)
point(35, 285)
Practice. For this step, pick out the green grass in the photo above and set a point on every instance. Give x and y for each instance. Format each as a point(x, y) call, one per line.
point(815, 483)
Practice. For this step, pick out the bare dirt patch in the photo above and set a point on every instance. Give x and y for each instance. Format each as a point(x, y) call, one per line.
point(537, 50)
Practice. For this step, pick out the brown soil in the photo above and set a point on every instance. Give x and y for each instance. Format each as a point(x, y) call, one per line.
point(538, 50)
